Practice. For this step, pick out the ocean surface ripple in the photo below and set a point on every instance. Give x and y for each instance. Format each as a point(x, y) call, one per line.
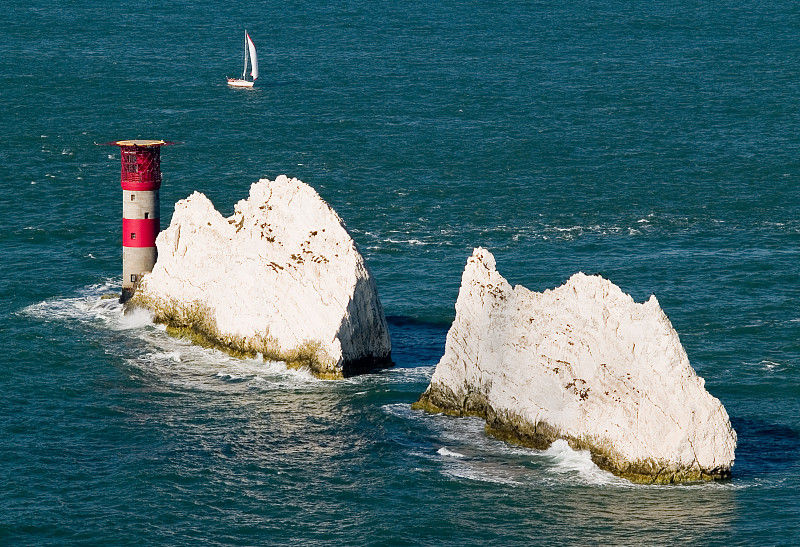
point(655, 144)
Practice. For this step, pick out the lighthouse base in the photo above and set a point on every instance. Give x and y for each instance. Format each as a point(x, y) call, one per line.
point(136, 261)
point(126, 295)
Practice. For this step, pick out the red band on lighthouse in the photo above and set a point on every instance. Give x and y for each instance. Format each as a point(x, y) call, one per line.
point(140, 186)
point(140, 232)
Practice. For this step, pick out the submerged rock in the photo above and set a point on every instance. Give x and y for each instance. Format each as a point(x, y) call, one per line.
point(281, 277)
point(584, 363)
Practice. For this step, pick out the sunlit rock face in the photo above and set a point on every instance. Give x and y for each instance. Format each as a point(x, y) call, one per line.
point(281, 277)
point(584, 363)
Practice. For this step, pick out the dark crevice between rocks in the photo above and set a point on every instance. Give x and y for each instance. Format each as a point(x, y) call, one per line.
point(366, 364)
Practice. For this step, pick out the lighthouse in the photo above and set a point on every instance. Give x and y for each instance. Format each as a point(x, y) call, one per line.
point(141, 214)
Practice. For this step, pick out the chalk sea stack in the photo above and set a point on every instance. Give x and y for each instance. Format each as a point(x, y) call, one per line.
point(584, 363)
point(281, 277)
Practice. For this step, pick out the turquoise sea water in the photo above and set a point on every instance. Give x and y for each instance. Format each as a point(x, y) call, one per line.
point(653, 143)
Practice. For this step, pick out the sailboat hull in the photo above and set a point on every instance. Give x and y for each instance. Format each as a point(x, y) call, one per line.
point(233, 82)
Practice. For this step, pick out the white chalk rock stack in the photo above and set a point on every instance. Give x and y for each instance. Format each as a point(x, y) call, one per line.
point(281, 277)
point(584, 363)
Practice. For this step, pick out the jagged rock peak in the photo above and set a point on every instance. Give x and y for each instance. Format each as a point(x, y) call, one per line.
point(584, 363)
point(281, 276)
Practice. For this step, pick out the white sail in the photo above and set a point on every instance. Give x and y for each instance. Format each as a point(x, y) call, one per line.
point(253, 58)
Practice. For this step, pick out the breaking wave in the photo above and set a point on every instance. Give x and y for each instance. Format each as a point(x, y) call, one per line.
point(449, 453)
point(579, 464)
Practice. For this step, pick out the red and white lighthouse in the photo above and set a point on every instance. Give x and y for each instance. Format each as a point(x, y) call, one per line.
point(141, 214)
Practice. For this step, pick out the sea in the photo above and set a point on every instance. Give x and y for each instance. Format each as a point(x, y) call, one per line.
point(654, 143)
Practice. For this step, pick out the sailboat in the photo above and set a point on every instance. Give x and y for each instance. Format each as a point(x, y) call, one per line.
point(249, 50)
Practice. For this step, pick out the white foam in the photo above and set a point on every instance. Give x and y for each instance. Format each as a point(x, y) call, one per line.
point(491, 460)
point(134, 319)
point(475, 474)
point(173, 360)
point(170, 355)
point(409, 241)
point(87, 307)
point(423, 372)
point(230, 377)
point(402, 410)
point(774, 366)
point(769, 365)
point(210, 369)
point(579, 464)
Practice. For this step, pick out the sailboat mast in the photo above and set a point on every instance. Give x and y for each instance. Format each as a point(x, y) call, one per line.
point(244, 70)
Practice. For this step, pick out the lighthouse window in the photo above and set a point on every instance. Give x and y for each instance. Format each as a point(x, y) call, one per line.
point(133, 278)
point(129, 162)
point(133, 235)
point(133, 197)
point(147, 215)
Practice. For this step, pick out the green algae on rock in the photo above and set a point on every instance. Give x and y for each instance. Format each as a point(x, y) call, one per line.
point(194, 322)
